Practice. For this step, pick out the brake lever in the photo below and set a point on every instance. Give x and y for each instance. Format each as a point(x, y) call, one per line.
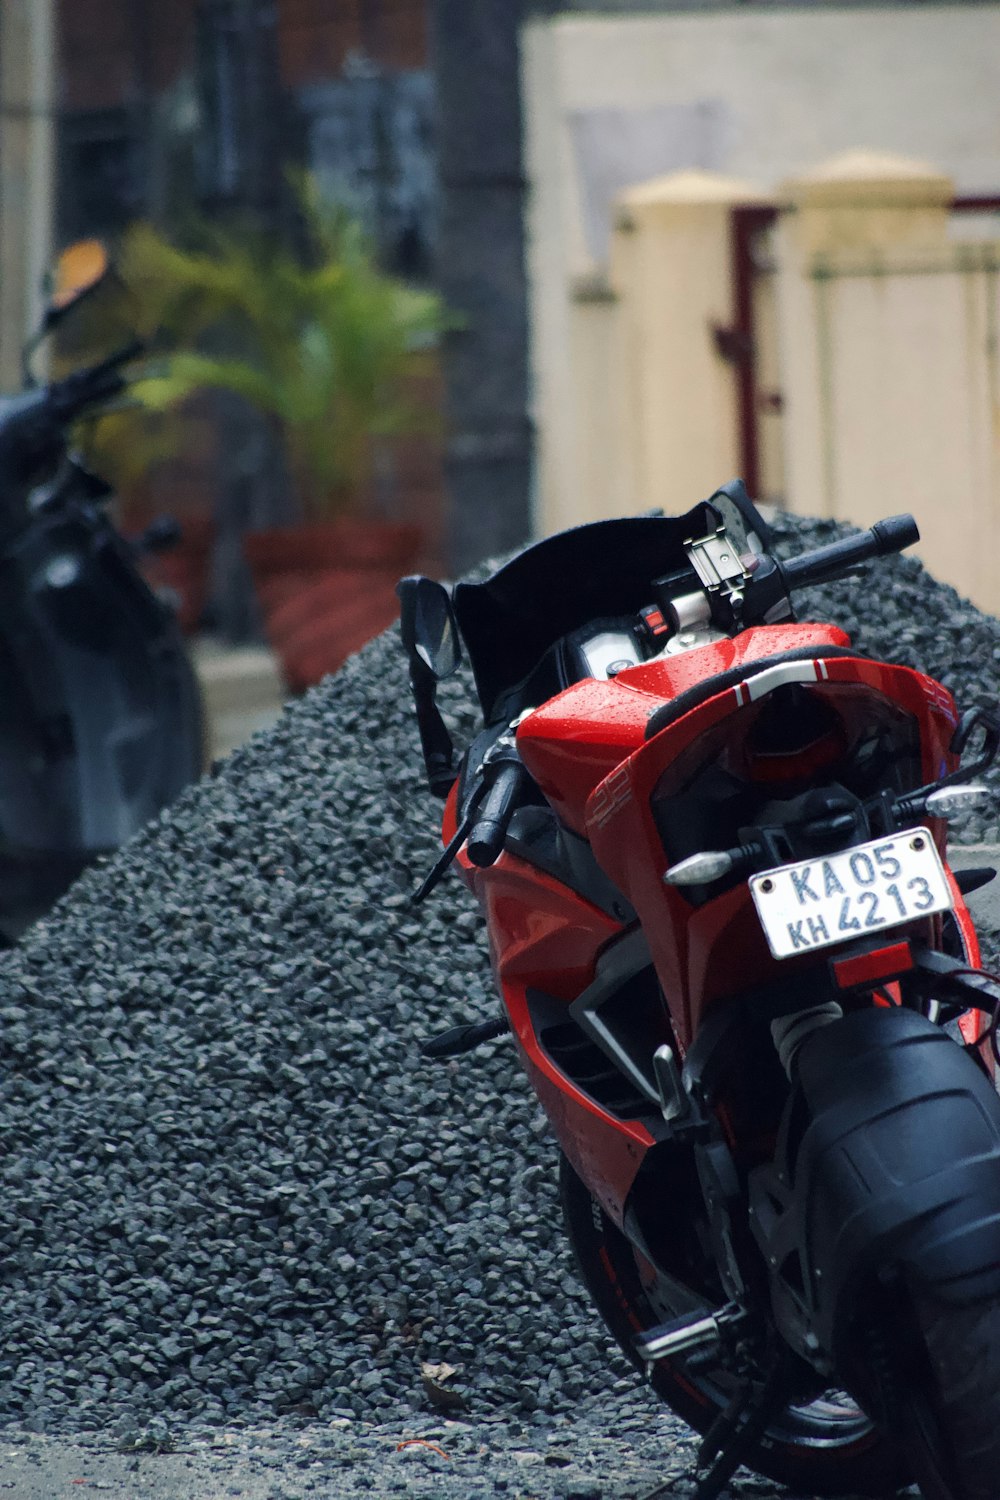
point(914, 804)
point(989, 721)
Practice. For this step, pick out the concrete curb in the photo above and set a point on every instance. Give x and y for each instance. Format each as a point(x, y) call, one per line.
point(243, 692)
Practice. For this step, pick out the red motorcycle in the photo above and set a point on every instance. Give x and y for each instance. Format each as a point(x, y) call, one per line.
point(709, 842)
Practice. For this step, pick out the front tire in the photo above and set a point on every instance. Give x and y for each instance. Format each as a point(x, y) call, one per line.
point(827, 1446)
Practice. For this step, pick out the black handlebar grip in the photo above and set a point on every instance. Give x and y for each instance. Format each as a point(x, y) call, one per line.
point(896, 533)
point(487, 834)
point(70, 397)
point(891, 535)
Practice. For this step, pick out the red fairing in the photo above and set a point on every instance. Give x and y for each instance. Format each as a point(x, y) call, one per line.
point(974, 1025)
point(449, 819)
point(587, 750)
point(693, 948)
point(573, 742)
point(606, 1153)
point(543, 936)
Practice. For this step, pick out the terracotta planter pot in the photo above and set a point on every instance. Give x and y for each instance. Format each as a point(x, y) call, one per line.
point(316, 547)
point(326, 589)
point(324, 595)
point(330, 623)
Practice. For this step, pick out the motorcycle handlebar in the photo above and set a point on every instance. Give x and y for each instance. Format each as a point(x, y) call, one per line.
point(69, 397)
point(33, 424)
point(890, 535)
point(487, 834)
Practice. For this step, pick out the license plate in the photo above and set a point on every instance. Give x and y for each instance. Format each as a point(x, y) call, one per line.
point(852, 894)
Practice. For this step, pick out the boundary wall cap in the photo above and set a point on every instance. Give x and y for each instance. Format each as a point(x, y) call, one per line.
point(690, 188)
point(870, 178)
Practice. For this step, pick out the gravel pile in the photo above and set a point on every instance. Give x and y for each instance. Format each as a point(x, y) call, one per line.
point(232, 1188)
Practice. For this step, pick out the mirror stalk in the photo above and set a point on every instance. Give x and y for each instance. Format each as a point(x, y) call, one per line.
point(430, 637)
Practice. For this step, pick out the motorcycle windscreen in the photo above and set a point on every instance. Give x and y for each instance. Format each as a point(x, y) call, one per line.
point(511, 620)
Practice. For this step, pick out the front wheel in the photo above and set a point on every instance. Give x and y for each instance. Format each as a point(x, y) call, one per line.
point(823, 1444)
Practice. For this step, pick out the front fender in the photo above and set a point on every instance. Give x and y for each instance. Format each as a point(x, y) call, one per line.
point(888, 1158)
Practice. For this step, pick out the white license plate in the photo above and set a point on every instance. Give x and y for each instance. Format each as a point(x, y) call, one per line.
point(851, 894)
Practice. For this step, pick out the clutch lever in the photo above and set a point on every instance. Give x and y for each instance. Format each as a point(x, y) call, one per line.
point(503, 778)
point(441, 864)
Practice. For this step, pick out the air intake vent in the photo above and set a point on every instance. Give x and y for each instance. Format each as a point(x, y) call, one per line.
point(588, 1067)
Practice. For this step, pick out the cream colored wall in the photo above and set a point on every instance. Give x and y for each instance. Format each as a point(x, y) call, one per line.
point(890, 362)
point(27, 172)
point(670, 272)
point(796, 86)
point(790, 88)
point(605, 457)
point(772, 483)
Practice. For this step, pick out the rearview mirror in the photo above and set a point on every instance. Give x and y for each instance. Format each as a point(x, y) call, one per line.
point(430, 636)
point(80, 269)
point(428, 625)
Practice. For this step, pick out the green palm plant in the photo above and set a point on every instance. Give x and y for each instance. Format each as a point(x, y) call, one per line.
point(319, 342)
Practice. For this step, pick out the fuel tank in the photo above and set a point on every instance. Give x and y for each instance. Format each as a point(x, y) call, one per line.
point(577, 739)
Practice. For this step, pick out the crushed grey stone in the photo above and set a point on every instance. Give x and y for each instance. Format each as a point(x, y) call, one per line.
point(234, 1192)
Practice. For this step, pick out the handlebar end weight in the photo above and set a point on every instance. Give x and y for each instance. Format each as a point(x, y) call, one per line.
point(896, 533)
point(486, 843)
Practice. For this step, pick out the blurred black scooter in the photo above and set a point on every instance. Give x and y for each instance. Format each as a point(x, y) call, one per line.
point(100, 714)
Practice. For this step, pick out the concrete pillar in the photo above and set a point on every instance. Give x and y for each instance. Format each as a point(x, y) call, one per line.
point(861, 204)
point(671, 270)
point(481, 273)
point(27, 170)
point(889, 360)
